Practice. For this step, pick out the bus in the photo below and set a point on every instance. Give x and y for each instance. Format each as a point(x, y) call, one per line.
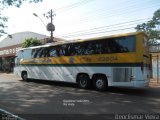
point(118, 60)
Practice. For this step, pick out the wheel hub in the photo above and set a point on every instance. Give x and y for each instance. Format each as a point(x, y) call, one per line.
point(25, 76)
point(83, 82)
point(99, 83)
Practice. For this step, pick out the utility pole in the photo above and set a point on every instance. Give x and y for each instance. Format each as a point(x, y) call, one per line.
point(50, 26)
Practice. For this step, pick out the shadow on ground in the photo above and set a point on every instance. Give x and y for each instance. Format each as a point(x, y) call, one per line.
point(47, 97)
point(146, 91)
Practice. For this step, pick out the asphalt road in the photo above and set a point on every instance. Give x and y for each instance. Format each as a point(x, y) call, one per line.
point(48, 100)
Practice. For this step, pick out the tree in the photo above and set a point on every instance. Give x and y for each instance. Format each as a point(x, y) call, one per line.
point(151, 27)
point(31, 42)
point(4, 4)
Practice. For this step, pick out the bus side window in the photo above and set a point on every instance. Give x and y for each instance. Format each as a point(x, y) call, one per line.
point(53, 51)
point(33, 53)
point(71, 50)
point(46, 52)
point(43, 53)
point(40, 52)
point(66, 50)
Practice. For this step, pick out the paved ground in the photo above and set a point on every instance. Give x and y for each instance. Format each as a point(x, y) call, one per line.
point(35, 100)
point(154, 83)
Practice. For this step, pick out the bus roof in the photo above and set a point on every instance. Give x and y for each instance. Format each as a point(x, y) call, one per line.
point(116, 35)
point(82, 40)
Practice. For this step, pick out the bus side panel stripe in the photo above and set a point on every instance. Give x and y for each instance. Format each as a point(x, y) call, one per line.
point(93, 64)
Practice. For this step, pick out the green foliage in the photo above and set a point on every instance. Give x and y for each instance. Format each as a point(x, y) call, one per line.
point(4, 4)
point(16, 3)
point(151, 28)
point(31, 42)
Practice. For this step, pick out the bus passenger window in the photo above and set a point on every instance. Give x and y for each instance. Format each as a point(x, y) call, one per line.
point(52, 51)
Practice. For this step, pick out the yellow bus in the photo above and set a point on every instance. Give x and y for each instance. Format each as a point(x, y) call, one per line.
point(118, 60)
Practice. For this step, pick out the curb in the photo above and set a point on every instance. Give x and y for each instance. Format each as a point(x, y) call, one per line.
point(5, 115)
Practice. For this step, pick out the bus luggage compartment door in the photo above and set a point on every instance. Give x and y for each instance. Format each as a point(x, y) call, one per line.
point(122, 74)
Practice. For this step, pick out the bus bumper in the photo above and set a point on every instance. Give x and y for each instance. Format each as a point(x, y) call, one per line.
point(141, 83)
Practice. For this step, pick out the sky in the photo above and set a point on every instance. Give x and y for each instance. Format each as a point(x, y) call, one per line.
point(78, 19)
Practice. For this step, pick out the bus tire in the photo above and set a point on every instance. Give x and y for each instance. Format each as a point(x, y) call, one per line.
point(100, 82)
point(24, 76)
point(83, 81)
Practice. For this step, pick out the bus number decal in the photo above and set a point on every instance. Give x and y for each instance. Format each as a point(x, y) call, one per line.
point(107, 59)
point(85, 59)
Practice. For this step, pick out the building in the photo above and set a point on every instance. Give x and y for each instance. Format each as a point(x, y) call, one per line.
point(10, 45)
point(155, 51)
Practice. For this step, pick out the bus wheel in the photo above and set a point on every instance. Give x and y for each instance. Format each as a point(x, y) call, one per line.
point(83, 81)
point(24, 76)
point(100, 82)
